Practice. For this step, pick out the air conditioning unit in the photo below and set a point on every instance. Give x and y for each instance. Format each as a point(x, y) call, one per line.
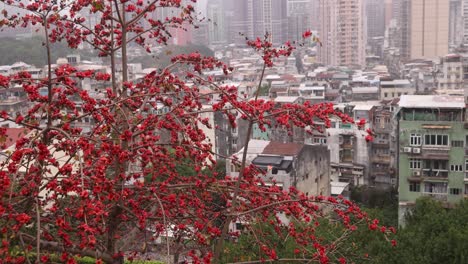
point(407, 150)
point(417, 150)
point(416, 173)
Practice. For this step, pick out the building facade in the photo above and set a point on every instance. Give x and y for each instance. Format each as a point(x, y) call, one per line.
point(431, 145)
point(216, 24)
point(425, 28)
point(342, 32)
point(254, 18)
point(375, 13)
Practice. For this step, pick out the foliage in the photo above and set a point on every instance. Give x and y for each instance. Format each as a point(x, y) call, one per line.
point(163, 58)
point(432, 234)
point(381, 204)
point(264, 90)
point(31, 51)
point(117, 188)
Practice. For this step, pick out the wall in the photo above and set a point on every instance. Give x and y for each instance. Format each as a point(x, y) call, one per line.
point(313, 170)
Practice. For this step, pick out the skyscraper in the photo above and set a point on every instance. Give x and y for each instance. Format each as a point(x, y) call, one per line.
point(425, 28)
point(455, 23)
point(342, 32)
point(464, 10)
point(375, 13)
point(314, 15)
point(298, 18)
point(253, 18)
point(388, 12)
point(216, 23)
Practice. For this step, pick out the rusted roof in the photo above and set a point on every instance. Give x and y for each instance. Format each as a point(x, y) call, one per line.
point(279, 148)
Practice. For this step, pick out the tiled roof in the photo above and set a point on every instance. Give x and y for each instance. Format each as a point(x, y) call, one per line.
point(286, 149)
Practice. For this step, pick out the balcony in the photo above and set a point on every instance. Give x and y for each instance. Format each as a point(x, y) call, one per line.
point(381, 159)
point(435, 174)
point(385, 129)
point(436, 153)
point(381, 144)
point(437, 196)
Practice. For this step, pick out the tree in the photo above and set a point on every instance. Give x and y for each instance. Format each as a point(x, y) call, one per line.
point(111, 191)
point(432, 234)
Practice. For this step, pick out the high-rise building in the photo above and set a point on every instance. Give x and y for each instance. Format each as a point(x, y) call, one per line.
point(314, 15)
point(425, 28)
point(216, 22)
point(388, 12)
point(298, 18)
point(342, 32)
point(455, 23)
point(254, 18)
point(375, 13)
point(464, 10)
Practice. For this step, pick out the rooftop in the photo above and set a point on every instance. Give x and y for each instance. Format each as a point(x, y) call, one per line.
point(396, 82)
point(357, 90)
point(286, 99)
point(432, 101)
point(279, 148)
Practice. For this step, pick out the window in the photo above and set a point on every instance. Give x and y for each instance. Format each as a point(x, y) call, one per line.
point(436, 140)
point(457, 143)
point(385, 95)
point(455, 191)
point(436, 164)
point(415, 164)
point(320, 140)
point(415, 140)
point(414, 187)
point(456, 167)
point(466, 165)
point(440, 188)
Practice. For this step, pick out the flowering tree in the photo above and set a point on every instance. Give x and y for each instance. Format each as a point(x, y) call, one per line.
point(109, 192)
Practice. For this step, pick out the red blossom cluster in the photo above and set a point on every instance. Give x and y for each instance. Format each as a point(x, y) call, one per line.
point(115, 188)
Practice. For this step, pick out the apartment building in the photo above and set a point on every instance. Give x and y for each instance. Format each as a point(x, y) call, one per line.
point(450, 74)
point(304, 167)
point(382, 168)
point(342, 32)
point(432, 149)
point(391, 89)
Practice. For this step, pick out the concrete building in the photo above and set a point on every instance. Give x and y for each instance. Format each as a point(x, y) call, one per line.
point(388, 12)
point(375, 13)
point(382, 169)
point(349, 151)
point(304, 167)
point(314, 14)
point(254, 18)
point(298, 18)
point(365, 93)
point(464, 10)
point(216, 22)
point(395, 88)
point(425, 28)
point(342, 32)
point(450, 77)
point(455, 23)
point(432, 156)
